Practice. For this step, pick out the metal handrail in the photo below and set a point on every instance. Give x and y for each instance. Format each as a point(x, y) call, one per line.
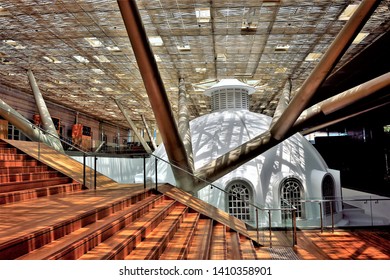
point(292, 209)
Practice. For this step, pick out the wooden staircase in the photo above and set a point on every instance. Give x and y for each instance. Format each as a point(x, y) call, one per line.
point(144, 226)
point(115, 221)
point(23, 177)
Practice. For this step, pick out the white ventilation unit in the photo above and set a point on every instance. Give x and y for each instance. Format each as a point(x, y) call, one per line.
point(229, 94)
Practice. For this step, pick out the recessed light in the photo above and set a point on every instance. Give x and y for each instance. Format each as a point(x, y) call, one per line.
point(203, 14)
point(113, 49)
point(94, 42)
point(360, 37)
point(157, 58)
point(51, 59)
point(101, 58)
point(97, 71)
point(313, 56)
point(282, 48)
point(14, 44)
point(221, 57)
point(156, 41)
point(184, 48)
point(80, 59)
point(348, 12)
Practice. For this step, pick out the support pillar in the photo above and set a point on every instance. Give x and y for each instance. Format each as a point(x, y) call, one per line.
point(133, 127)
point(184, 122)
point(47, 122)
point(157, 95)
point(154, 146)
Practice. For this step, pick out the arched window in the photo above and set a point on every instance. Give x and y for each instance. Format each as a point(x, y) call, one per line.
point(291, 195)
point(328, 193)
point(239, 197)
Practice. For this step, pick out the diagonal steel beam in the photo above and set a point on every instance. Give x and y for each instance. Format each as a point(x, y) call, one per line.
point(157, 95)
point(322, 70)
point(47, 121)
point(261, 143)
point(154, 146)
point(133, 127)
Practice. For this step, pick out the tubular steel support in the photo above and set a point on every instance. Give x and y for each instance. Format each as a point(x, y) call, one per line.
point(25, 126)
point(323, 68)
point(47, 121)
point(149, 133)
point(157, 95)
point(133, 127)
point(184, 123)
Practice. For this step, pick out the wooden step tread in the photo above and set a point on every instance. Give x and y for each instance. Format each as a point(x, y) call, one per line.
point(218, 250)
point(18, 177)
point(23, 169)
point(33, 227)
point(17, 196)
point(79, 240)
point(27, 162)
point(17, 186)
point(199, 249)
point(121, 243)
point(247, 248)
point(155, 243)
point(178, 247)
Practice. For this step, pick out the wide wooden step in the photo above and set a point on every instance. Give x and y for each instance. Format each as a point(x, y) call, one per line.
point(23, 169)
point(23, 195)
point(19, 163)
point(37, 236)
point(123, 242)
point(13, 156)
point(200, 246)
point(178, 247)
point(77, 243)
point(218, 249)
point(24, 185)
point(17, 177)
point(4, 150)
point(155, 243)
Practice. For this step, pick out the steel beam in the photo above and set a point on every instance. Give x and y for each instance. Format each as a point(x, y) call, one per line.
point(184, 122)
point(154, 146)
point(323, 68)
point(133, 127)
point(258, 145)
point(28, 129)
point(343, 99)
point(157, 95)
point(47, 121)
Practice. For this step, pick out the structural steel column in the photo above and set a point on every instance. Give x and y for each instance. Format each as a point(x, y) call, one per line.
point(133, 127)
point(323, 68)
point(253, 148)
point(157, 96)
point(47, 122)
point(343, 99)
point(25, 126)
point(149, 133)
point(184, 122)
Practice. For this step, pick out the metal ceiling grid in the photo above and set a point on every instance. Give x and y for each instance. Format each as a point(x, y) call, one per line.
point(80, 53)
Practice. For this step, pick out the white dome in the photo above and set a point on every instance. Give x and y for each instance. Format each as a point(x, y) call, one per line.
point(216, 133)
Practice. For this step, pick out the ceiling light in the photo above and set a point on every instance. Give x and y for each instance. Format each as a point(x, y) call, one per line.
point(101, 58)
point(313, 56)
point(282, 48)
point(51, 59)
point(97, 71)
point(184, 48)
point(221, 57)
point(108, 89)
point(200, 70)
point(156, 41)
point(157, 58)
point(348, 12)
point(360, 37)
point(14, 44)
point(94, 42)
point(94, 89)
point(80, 59)
point(280, 70)
point(113, 49)
point(203, 14)
point(248, 28)
point(6, 61)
